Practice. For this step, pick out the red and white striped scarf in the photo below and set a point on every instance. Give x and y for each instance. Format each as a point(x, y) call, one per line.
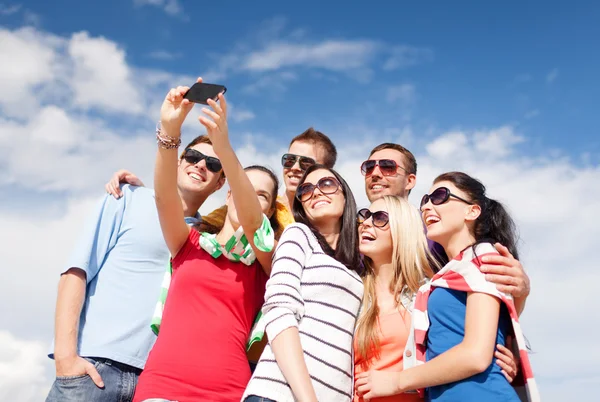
point(463, 274)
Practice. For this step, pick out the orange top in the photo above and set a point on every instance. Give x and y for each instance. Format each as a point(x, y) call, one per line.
point(394, 328)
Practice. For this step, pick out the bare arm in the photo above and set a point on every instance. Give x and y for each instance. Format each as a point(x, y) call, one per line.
point(113, 187)
point(245, 198)
point(290, 358)
point(472, 356)
point(71, 295)
point(508, 274)
point(168, 203)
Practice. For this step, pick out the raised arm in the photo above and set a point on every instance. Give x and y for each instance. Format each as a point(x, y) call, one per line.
point(472, 356)
point(283, 309)
point(168, 203)
point(245, 198)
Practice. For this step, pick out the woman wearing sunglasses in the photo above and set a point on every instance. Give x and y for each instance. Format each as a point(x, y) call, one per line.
point(312, 298)
point(459, 316)
point(396, 261)
point(218, 281)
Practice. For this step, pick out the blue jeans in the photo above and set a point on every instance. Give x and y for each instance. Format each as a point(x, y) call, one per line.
point(119, 384)
point(254, 398)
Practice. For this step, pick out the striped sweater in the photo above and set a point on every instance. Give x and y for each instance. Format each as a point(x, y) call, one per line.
point(317, 294)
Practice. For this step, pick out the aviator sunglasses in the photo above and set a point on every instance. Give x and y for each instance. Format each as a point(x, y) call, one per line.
point(439, 196)
point(387, 167)
point(327, 185)
point(289, 160)
point(192, 156)
point(380, 218)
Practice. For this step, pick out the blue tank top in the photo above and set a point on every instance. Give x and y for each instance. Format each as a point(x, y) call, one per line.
point(446, 309)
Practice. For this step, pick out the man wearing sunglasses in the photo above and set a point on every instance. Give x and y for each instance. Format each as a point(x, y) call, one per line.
point(100, 345)
point(392, 170)
point(305, 150)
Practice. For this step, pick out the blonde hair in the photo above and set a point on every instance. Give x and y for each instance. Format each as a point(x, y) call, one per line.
point(412, 263)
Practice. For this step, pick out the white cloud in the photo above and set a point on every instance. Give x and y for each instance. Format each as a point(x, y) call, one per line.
point(404, 93)
point(171, 7)
point(272, 50)
point(34, 61)
point(552, 76)
point(101, 76)
point(22, 369)
point(336, 55)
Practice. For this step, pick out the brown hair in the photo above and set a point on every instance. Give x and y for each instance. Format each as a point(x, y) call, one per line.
point(318, 138)
point(410, 161)
point(215, 225)
point(201, 139)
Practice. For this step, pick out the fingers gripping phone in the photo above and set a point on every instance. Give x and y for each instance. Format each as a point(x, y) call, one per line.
point(201, 92)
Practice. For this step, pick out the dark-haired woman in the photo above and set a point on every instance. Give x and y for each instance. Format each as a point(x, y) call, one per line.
point(219, 279)
point(459, 316)
point(312, 298)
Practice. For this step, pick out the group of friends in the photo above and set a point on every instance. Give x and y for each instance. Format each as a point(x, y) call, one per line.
point(298, 297)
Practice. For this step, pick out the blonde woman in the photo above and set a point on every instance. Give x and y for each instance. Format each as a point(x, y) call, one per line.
point(397, 262)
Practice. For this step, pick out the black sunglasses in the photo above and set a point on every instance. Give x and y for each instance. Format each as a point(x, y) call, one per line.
point(380, 218)
point(439, 196)
point(387, 167)
point(192, 156)
point(289, 160)
point(327, 185)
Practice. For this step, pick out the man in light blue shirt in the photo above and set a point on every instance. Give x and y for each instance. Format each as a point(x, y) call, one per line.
point(109, 289)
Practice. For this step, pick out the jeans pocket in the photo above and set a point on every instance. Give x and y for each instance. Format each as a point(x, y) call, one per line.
point(79, 376)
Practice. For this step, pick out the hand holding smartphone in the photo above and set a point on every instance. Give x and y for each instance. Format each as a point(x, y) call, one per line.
point(201, 92)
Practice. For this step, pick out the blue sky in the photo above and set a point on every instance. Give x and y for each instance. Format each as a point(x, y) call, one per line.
point(507, 93)
point(530, 65)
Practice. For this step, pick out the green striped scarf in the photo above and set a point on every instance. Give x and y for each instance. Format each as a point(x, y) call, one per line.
point(237, 249)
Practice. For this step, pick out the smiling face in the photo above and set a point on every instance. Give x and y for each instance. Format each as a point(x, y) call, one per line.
point(377, 185)
point(449, 218)
point(196, 178)
point(376, 242)
point(265, 191)
point(292, 176)
point(323, 209)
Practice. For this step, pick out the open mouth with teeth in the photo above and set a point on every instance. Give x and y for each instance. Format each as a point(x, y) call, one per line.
point(294, 179)
point(430, 220)
point(365, 237)
point(319, 204)
point(195, 177)
point(378, 187)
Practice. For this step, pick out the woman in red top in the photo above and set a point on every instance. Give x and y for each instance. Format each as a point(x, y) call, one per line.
point(215, 292)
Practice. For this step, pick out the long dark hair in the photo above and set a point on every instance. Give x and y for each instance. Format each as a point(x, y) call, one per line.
point(494, 224)
point(346, 250)
point(210, 228)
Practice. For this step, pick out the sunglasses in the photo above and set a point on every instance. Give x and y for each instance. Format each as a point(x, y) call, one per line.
point(289, 160)
point(326, 185)
point(387, 167)
point(380, 218)
point(192, 156)
point(439, 196)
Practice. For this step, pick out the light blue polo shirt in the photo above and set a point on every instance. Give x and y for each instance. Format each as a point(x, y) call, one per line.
point(124, 255)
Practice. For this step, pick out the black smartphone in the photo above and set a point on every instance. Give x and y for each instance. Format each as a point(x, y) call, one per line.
point(201, 92)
